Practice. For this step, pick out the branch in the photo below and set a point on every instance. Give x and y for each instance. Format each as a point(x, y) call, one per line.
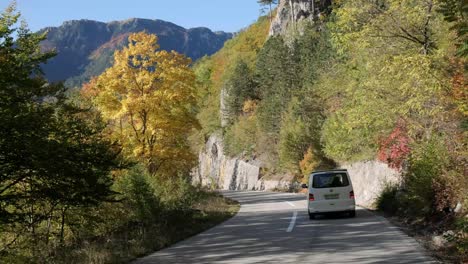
point(12, 184)
point(132, 123)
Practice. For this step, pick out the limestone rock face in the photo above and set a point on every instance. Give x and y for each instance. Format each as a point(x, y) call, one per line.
point(290, 12)
point(219, 171)
point(223, 111)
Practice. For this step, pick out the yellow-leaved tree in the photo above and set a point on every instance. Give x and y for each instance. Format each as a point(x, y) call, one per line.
point(148, 99)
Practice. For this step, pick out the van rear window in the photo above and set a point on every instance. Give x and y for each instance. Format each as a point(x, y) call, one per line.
point(330, 180)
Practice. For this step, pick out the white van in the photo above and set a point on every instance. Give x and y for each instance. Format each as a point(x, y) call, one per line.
point(330, 191)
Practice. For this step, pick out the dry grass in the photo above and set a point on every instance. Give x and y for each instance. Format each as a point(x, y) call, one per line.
point(133, 241)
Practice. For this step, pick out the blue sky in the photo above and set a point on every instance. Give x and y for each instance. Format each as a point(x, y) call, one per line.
point(226, 15)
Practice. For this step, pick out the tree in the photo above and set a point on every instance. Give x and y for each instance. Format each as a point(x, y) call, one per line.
point(148, 98)
point(278, 77)
point(269, 3)
point(52, 153)
point(390, 69)
point(240, 87)
point(456, 12)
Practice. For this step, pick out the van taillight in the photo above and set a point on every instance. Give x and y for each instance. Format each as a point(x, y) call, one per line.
point(311, 197)
point(351, 195)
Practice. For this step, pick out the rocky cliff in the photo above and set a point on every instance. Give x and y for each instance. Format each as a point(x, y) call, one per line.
point(290, 13)
point(219, 171)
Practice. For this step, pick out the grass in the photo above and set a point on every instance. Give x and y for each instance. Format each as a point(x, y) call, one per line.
point(135, 240)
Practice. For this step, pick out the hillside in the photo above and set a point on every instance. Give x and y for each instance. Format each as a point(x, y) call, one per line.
point(85, 47)
point(345, 85)
point(108, 173)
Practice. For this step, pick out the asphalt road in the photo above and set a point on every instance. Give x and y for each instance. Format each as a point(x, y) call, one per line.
point(275, 228)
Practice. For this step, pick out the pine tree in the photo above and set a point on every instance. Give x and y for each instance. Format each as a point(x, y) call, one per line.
point(240, 87)
point(456, 12)
point(269, 3)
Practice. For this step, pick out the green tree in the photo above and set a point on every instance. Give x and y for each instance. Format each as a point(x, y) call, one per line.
point(52, 154)
point(390, 69)
point(239, 88)
point(270, 4)
point(278, 76)
point(456, 12)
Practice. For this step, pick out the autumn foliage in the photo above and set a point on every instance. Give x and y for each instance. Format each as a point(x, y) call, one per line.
point(459, 85)
point(395, 149)
point(148, 99)
point(309, 163)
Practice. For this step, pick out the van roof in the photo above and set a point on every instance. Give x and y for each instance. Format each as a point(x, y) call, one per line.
point(335, 170)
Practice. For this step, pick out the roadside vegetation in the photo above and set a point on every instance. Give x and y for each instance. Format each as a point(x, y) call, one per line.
point(101, 175)
point(366, 80)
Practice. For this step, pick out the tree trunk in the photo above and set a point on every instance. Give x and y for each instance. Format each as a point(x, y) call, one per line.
point(427, 39)
point(62, 227)
point(49, 224)
point(312, 6)
point(271, 15)
point(291, 6)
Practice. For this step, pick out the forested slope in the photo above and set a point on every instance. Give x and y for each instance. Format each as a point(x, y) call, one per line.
point(356, 81)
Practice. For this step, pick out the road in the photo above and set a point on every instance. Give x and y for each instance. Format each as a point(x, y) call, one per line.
point(275, 228)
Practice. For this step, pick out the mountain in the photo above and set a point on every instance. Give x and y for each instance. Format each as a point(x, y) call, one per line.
point(85, 47)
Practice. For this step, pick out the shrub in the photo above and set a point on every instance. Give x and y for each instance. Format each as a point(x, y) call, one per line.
point(448, 190)
point(309, 163)
point(427, 161)
point(388, 200)
point(395, 149)
point(139, 195)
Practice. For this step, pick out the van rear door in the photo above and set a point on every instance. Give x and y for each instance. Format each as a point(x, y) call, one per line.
point(331, 186)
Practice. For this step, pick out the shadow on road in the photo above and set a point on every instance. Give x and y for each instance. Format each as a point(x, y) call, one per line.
point(246, 198)
point(261, 237)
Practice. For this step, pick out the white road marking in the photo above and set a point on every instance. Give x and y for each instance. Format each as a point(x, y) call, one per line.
point(291, 204)
point(292, 223)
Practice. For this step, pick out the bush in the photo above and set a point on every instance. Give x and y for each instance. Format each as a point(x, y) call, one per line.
point(427, 162)
point(140, 196)
point(449, 189)
point(461, 237)
point(388, 200)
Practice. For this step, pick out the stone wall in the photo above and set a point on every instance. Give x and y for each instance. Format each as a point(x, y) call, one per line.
point(369, 179)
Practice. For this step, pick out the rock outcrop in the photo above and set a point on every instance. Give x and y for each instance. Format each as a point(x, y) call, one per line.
point(290, 12)
point(219, 171)
point(293, 12)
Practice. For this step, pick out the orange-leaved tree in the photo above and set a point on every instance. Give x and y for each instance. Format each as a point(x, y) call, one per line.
point(148, 99)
